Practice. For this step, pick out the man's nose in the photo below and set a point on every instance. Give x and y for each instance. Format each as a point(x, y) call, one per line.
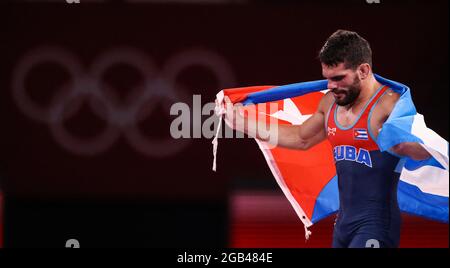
point(332, 85)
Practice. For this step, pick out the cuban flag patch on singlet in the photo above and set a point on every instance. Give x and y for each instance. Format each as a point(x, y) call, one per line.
point(360, 134)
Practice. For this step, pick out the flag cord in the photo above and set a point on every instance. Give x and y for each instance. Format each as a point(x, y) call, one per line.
point(219, 111)
point(215, 143)
point(307, 232)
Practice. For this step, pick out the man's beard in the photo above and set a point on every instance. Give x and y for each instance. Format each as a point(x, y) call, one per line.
point(350, 95)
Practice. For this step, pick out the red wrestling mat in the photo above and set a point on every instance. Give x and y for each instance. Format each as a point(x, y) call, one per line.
point(266, 219)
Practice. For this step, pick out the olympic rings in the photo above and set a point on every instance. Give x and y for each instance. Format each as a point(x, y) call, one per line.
point(157, 88)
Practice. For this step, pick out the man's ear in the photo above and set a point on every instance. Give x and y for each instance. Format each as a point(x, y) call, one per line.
point(364, 71)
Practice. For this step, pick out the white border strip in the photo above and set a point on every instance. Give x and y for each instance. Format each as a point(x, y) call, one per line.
point(278, 177)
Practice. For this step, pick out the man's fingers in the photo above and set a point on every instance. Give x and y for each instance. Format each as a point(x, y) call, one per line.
point(234, 116)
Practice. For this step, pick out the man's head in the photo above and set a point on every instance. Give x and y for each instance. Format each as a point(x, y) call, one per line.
point(346, 60)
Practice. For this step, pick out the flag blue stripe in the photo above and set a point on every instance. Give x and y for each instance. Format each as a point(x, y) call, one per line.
point(412, 200)
point(327, 201)
point(412, 165)
point(286, 91)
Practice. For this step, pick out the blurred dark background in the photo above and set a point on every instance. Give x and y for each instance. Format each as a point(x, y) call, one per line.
point(102, 168)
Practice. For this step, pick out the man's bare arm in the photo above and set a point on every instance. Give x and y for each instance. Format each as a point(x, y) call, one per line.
point(412, 150)
point(299, 137)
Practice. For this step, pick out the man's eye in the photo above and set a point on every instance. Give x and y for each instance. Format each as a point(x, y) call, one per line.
point(337, 78)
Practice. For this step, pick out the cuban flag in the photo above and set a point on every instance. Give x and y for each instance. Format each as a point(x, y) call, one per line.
point(308, 178)
point(360, 134)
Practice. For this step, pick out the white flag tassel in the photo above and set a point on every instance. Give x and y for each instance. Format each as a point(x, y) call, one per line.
point(307, 233)
point(220, 111)
point(215, 143)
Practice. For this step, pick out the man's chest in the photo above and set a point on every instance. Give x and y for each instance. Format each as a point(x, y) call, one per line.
point(372, 119)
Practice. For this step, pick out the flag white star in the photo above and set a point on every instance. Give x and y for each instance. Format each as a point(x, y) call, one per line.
point(291, 113)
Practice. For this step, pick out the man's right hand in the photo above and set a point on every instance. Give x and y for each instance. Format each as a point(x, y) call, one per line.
point(234, 115)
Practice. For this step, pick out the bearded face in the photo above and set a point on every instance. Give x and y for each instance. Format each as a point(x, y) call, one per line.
point(343, 82)
point(346, 96)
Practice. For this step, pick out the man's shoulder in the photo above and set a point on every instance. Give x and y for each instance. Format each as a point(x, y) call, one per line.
point(388, 100)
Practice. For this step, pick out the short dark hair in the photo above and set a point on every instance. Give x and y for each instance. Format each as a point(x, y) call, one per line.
point(346, 47)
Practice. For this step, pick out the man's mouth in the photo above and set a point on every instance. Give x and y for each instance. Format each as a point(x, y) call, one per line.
point(338, 94)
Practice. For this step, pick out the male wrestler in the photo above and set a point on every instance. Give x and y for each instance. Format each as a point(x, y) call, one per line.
point(350, 116)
